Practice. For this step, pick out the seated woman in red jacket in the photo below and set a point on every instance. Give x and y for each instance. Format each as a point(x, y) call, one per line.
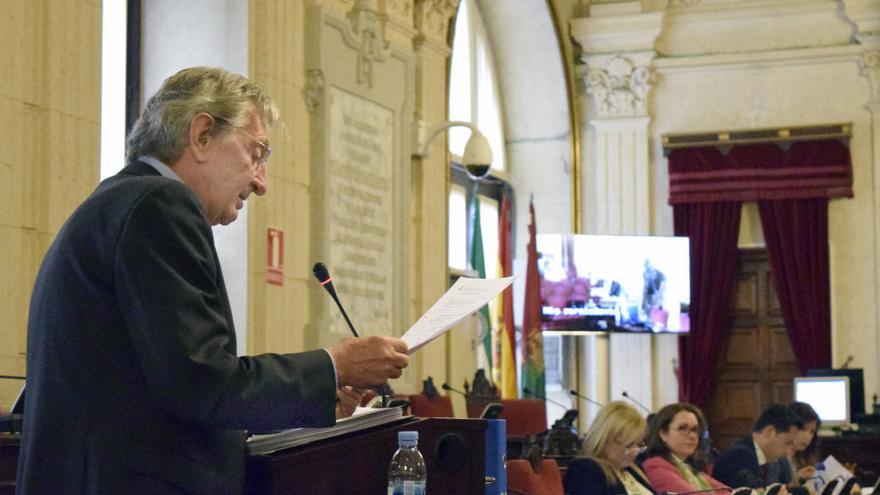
point(674, 456)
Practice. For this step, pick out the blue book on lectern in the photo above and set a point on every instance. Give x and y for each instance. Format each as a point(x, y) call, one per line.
point(496, 454)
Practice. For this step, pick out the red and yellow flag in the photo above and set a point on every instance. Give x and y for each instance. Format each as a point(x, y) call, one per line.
point(532, 339)
point(506, 335)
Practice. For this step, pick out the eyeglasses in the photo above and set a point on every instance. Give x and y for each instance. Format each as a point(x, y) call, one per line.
point(262, 151)
point(635, 449)
point(684, 430)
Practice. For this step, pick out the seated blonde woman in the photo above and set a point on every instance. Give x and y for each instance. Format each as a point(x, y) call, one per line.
point(605, 465)
point(674, 459)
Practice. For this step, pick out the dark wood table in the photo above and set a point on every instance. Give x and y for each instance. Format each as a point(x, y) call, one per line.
point(863, 450)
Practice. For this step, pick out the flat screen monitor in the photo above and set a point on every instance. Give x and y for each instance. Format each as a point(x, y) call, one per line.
point(600, 283)
point(828, 395)
point(856, 386)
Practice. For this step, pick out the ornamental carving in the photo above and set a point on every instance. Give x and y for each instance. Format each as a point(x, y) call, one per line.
point(871, 69)
point(366, 27)
point(314, 89)
point(619, 89)
point(432, 17)
point(398, 8)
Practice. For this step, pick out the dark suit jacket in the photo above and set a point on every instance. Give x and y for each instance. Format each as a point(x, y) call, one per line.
point(584, 476)
point(738, 465)
point(133, 383)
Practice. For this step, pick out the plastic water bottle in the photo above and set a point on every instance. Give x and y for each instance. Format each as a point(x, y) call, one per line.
point(407, 474)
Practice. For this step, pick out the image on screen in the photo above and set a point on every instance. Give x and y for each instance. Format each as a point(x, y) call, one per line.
point(829, 396)
point(614, 283)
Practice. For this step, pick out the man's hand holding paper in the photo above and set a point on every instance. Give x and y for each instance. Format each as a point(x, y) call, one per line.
point(366, 362)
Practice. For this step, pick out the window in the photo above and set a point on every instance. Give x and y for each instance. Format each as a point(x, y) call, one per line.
point(458, 259)
point(473, 87)
point(474, 97)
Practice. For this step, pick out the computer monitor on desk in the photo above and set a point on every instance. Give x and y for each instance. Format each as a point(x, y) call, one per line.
point(828, 395)
point(856, 386)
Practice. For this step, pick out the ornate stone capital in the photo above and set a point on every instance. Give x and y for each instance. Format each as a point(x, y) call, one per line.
point(870, 65)
point(619, 89)
point(401, 9)
point(367, 28)
point(314, 90)
point(432, 17)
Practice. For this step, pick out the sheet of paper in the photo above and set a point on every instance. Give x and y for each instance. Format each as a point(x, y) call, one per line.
point(465, 297)
point(835, 470)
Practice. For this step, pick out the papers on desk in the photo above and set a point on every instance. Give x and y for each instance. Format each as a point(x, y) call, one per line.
point(834, 470)
point(362, 419)
point(465, 297)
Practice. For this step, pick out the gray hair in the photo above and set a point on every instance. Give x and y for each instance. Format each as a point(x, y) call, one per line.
point(163, 128)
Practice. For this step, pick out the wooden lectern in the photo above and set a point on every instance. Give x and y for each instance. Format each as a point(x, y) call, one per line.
point(357, 463)
point(352, 464)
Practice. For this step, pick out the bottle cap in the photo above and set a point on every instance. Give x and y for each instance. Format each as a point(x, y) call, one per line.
point(408, 437)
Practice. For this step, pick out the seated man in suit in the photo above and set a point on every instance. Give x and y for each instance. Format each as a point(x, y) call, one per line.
point(747, 462)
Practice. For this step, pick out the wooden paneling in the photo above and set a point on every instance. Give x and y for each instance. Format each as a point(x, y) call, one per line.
point(745, 301)
point(773, 308)
point(781, 353)
point(756, 364)
point(743, 348)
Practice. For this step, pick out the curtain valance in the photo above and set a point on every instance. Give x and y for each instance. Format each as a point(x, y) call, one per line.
point(766, 171)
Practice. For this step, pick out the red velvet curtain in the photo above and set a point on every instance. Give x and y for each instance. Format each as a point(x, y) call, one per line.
point(713, 229)
point(796, 233)
point(792, 184)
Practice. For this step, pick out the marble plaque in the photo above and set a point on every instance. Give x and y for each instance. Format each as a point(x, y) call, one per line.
point(358, 214)
point(359, 93)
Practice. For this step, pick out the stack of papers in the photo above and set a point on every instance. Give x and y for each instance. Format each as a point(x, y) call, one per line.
point(362, 418)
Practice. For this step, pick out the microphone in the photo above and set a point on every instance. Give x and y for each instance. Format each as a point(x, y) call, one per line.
point(581, 396)
point(323, 276)
point(529, 392)
point(636, 402)
point(446, 386)
point(694, 492)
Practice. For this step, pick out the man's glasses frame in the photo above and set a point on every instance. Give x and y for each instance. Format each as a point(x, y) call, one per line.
point(261, 161)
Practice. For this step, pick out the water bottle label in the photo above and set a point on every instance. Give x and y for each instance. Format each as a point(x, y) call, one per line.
point(406, 488)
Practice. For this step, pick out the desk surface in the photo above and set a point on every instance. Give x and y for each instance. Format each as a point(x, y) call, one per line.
point(863, 450)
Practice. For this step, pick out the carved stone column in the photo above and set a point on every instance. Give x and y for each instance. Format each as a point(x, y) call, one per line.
point(431, 20)
point(619, 150)
point(864, 15)
point(617, 43)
